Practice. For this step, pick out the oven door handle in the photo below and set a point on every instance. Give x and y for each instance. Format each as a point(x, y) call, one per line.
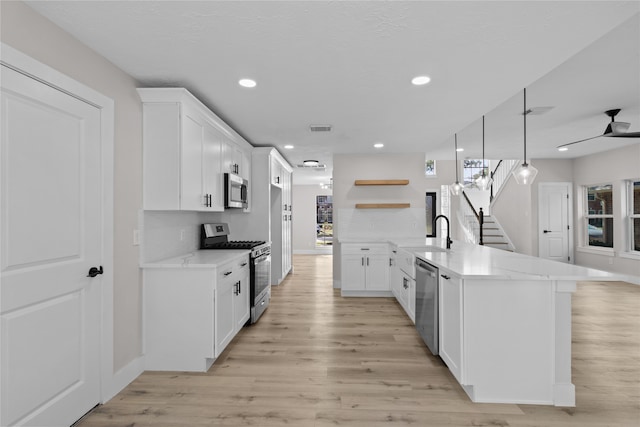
point(262, 258)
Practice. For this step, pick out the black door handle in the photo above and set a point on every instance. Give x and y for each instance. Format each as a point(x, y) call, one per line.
point(94, 271)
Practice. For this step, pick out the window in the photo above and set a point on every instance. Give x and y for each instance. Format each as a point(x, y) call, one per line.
point(324, 220)
point(633, 207)
point(472, 169)
point(599, 215)
point(430, 168)
point(430, 203)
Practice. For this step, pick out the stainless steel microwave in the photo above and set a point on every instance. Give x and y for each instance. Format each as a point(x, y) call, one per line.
point(235, 191)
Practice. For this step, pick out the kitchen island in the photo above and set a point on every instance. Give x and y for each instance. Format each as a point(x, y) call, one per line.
point(505, 322)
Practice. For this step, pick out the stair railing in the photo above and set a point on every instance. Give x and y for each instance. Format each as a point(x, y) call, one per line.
point(500, 175)
point(472, 221)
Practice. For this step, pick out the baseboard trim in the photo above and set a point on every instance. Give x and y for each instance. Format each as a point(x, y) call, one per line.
point(124, 377)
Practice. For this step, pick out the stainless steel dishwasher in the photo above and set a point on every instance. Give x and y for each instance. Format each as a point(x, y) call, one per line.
point(427, 304)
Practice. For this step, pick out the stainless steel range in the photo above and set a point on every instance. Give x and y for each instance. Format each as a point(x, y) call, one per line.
point(216, 236)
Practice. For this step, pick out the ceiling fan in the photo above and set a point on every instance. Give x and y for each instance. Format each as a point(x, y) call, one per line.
point(614, 129)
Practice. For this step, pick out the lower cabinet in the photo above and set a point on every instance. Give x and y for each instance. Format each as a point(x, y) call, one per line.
point(365, 269)
point(451, 323)
point(192, 314)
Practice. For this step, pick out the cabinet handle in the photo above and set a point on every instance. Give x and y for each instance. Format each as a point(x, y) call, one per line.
point(239, 287)
point(362, 259)
point(242, 265)
point(289, 217)
point(367, 261)
point(364, 249)
point(228, 273)
point(210, 202)
point(404, 282)
point(444, 276)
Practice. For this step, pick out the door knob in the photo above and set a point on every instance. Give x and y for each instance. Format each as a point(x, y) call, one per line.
point(94, 271)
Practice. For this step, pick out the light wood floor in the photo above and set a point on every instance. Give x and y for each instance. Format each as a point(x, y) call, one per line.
point(317, 359)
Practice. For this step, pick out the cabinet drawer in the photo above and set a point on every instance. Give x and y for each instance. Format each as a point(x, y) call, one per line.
point(365, 248)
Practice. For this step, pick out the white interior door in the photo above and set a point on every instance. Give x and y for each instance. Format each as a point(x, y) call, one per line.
point(554, 221)
point(51, 209)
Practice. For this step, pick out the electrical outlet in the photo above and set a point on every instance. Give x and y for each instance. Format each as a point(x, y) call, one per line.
point(136, 237)
point(183, 233)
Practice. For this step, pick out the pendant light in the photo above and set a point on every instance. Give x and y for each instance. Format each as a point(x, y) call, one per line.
point(483, 182)
point(456, 187)
point(525, 173)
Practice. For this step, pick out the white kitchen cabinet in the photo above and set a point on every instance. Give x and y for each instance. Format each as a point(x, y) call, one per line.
point(184, 146)
point(407, 294)
point(232, 302)
point(235, 160)
point(450, 318)
point(191, 314)
point(365, 270)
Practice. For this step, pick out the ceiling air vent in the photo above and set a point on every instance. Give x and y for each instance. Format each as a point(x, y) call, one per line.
point(320, 128)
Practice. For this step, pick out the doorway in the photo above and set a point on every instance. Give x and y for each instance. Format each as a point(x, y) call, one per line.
point(324, 221)
point(57, 307)
point(555, 221)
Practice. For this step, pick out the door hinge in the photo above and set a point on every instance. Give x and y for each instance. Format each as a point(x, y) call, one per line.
point(568, 258)
point(568, 227)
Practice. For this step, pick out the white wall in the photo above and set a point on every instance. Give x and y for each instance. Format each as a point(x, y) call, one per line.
point(349, 167)
point(610, 167)
point(304, 218)
point(29, 32)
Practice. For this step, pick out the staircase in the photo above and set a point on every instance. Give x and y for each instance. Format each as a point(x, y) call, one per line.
point(493, 235)
point(469, 218)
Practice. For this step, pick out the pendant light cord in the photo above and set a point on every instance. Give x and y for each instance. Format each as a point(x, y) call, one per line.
point(524, 113)
point(456, 142)
point(483, 174)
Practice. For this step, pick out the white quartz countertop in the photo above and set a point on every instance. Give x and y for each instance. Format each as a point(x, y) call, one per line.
point(199, 259)
point(482, 262)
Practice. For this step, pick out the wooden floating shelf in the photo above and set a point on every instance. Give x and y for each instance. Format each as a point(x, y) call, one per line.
point(382, 182)
point(382, 205)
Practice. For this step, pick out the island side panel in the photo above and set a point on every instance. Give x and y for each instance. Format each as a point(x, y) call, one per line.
point(510, 340)
point(564, 390)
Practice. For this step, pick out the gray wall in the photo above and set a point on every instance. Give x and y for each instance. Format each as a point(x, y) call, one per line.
point(29, 32)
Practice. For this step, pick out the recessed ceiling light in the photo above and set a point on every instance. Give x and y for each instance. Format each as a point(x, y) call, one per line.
point(563, 148)
point(420, 80)
point(459, 149)
point(247, 83)
point(378, 145)
point(288, 147)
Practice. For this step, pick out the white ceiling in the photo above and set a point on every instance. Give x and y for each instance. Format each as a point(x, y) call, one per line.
point(349, 64)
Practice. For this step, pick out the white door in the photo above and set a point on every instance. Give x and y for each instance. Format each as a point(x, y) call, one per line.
point(554, 221)
point(51, 223)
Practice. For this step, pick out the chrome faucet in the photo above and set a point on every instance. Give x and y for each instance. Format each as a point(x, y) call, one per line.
point(449, 241)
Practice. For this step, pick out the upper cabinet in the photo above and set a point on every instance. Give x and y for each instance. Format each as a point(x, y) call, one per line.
point(186, 151)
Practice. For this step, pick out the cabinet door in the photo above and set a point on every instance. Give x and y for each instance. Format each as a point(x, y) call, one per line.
point(241, 301)
point(225, 324)
point(276, 172)
point(191, 194)
point(377, 266)
point(353, 272)
point(411, 299)
point(211, 169)
point(450, 317)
